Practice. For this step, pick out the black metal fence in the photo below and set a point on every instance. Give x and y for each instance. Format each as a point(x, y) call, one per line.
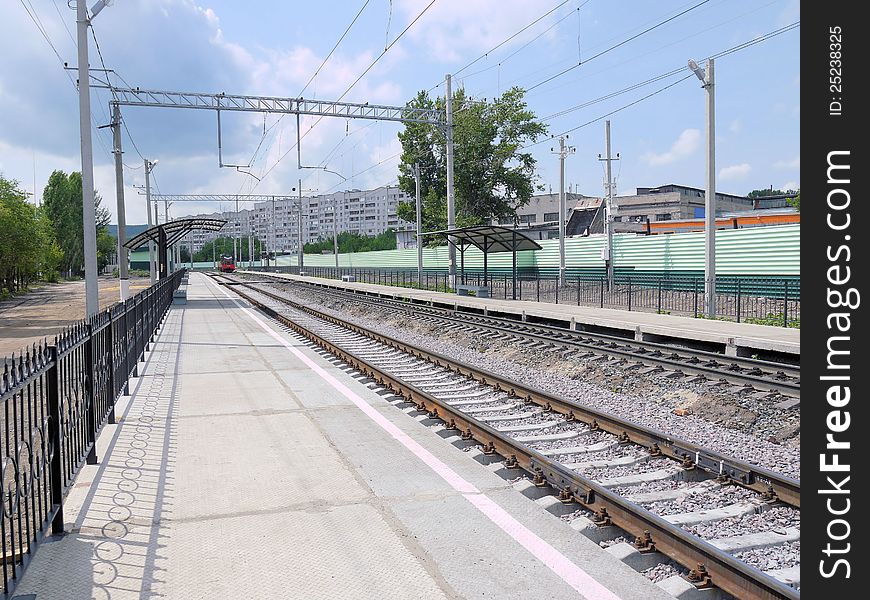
point(765, 300)
point(55, 399)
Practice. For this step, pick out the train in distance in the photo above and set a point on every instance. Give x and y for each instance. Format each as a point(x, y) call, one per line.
point(227, 265)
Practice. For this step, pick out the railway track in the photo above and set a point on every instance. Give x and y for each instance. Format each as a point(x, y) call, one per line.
point(624, 475)
point(748, 374)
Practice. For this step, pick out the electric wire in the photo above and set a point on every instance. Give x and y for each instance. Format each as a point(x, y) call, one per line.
point(350, 87)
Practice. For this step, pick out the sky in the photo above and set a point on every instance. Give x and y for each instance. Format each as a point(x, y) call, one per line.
point(571, 62)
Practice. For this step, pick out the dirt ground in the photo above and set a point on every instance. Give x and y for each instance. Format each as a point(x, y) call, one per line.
point(47, 309)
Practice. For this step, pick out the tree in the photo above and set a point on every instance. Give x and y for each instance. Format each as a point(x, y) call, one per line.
point(354, 242)
point(796, 201)
point(27, 247)
point(107, 248)
point(493, 176)
point(767, 192)
point(62, 201)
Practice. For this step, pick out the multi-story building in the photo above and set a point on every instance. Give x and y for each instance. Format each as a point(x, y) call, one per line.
point(673, 202)
point(276, 223)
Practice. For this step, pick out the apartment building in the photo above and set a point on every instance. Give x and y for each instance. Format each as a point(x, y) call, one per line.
point(276, 222)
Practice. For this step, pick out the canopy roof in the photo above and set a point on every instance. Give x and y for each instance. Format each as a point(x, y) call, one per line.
point(175, 230)
point(490, 238)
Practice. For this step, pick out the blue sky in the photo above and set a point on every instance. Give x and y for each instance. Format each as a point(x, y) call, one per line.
point(274, 48)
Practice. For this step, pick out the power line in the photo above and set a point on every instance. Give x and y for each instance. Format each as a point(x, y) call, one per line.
point(615, 46)
point(527, 44)
point(316, 72)
point(503, 42)
point(369, 68)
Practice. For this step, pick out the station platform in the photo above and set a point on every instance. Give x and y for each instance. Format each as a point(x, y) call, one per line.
point(732, 339)
point(246, 465)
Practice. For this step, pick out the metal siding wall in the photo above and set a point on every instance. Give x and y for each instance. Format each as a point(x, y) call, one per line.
point(771, 250)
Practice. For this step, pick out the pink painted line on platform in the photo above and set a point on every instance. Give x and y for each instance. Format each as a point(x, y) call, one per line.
point(557, 562)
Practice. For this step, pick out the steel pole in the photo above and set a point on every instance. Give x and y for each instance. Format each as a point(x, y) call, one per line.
point(608, 216)
point(335, 232)
point(451, 200)
point(419, 224)
point(123, 275)
point(710, 199)
point(151, 267)
point(89, 225)
point(563, 210)
point(299, 251)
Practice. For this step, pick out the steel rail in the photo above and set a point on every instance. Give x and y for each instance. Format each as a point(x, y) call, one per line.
point(774, 486)
point(761, 374)
point(709, 565)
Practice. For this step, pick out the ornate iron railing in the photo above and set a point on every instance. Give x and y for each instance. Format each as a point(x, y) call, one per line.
point(55, 399)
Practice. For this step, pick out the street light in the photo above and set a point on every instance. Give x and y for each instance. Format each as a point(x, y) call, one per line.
point(89, 224)
point(707, 81)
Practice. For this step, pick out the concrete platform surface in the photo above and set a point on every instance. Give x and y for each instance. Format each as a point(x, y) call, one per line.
point(736, 339)
point(247, 465)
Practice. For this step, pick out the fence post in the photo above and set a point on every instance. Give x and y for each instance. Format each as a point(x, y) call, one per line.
point(785, 304)
point(538, 286)
point(738, 300)
point(557, 291)
point(126, 352)
point(54, 438)
point(578, 290)
point(602, 292)
point(629, 294)
point(110, 344)
point(659, 309)
point(90, 418)
point(695, 286)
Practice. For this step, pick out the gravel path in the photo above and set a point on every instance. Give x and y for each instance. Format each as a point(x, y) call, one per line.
point(737, 426)
point(773, 557)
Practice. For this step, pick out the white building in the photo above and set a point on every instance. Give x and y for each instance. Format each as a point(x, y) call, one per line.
point(276, 223)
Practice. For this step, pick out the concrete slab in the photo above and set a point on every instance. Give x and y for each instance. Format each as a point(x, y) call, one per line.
point(239, 468)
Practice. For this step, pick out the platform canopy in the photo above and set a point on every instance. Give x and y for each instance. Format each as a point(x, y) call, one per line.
point(174, 231)
point(166, 234)
point(489, 239)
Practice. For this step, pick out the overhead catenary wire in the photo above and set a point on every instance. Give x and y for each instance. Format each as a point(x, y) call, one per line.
point(619, 44)
point(351, 86)
point(506, 40)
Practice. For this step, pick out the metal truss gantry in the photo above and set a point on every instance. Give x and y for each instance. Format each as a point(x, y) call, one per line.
point(271, 104)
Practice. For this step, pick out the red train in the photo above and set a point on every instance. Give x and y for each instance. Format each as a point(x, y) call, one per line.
point(227, 265)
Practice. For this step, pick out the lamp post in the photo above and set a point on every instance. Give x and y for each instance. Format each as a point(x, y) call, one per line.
point(89, 224)
point(707, 81)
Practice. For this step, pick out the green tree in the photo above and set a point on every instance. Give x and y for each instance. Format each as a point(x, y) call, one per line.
point(62, 201)
point(27, 247)
point(493, 177)
point(354, 242)
point(107, 248)
point(796, 201)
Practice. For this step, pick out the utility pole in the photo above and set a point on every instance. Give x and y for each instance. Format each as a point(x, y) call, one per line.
point(335, 231)
point(708, 82)
point(419, 226)
point(563, 152)
point(123, 276)
point(149, 166)
point(89, 225)
point(451, 200)
point(608, 211)
point(274, 235)
point(237, 230)
point(299, 251)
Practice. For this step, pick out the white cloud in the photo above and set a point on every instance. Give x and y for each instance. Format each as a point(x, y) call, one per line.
point(685, 145)
point(735, 172)
point(790, 185)
point(736, 126)
point(454, 30)
point(795, 163)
